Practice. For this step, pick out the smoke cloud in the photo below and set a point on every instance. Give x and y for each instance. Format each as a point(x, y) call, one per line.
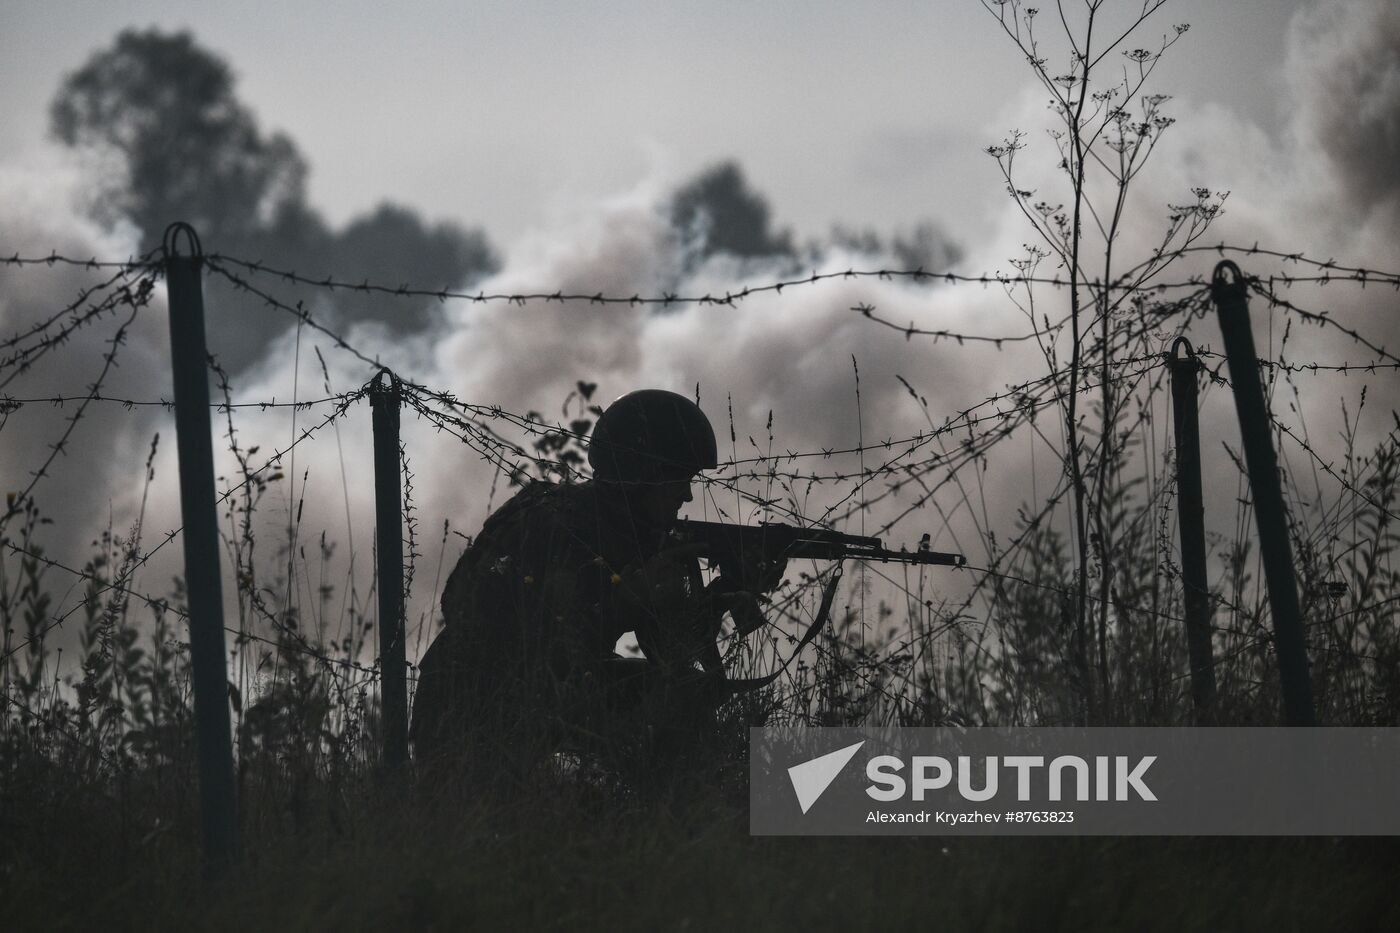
point(1326, 187)
point(1346, 81)
point(95, 481)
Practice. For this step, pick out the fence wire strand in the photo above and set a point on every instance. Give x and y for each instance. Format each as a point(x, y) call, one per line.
point(903, 462)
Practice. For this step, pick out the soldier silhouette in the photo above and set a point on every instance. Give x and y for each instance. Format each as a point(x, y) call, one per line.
point(559, 573)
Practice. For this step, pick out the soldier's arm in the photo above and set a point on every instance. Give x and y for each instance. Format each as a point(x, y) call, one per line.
point(664, 602)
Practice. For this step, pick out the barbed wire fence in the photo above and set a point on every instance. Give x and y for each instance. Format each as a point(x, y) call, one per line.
point(773, 484)
point(474, 429)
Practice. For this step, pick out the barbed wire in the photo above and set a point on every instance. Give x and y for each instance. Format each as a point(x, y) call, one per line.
point(12, 403)
point(732, 296)
point(729, 298)
point(21, 360)
point(534, 426)
point(478, 435)
point(476, 431)
point(1330, 265)
point(144, 559)
point(1284, 429)
point(163, 605)
point(1308, 366)
point(1321, 319)
point(131, 264)
point(957, 421)
point(1031, 525)
point(1331, 271)
point(493, 412)
point(868, 311)
point(537, 426)
point(46, 323)
point(975, 448)
point(300, 312)
point(16, 503)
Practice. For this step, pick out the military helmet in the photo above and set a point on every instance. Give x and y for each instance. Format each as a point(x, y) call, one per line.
point(651, 435)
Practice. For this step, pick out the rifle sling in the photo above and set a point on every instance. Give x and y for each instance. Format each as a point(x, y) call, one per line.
point(748, 684)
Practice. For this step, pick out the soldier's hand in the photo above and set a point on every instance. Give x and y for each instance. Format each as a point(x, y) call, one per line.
point(662, 599)
point(753, 574)
point(744, 609)
point(661, 584)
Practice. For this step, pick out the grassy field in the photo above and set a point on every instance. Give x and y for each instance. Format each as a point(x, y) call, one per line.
point(1077, 616)
point(416, 854)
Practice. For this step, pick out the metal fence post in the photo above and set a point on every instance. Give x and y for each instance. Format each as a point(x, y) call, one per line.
point(1228, 293)
point(189, 364)
point(384, 398)
point(1192, 525)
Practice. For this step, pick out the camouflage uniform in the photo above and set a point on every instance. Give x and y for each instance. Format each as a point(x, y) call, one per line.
point(532, 613)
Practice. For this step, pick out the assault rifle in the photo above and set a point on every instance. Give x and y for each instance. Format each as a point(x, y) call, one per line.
point(750, 559)
point(737, 547)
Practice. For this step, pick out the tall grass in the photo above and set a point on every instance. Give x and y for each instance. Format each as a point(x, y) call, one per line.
point(1075, 616)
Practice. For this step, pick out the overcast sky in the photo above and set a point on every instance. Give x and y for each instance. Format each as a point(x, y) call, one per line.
point(559, 128)
point(871, 113)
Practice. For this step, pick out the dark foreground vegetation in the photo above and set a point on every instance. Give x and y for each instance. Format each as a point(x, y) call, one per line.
point(365, 854)
point(99, 802)
point(1075, 617)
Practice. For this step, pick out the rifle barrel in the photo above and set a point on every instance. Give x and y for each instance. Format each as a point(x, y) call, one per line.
point(877, 552)
point(812, 543)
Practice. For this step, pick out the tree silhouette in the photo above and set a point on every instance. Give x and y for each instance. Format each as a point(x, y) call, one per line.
point(189, 149)
point(393, 244)
point(727, 216)
point(163, 116)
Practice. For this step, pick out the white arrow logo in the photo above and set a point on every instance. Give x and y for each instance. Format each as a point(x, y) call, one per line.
point(811, 778)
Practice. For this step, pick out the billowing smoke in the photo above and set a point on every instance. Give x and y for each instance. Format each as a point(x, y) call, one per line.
point(93, 482)
point(1345, 78)
point(790, 354)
